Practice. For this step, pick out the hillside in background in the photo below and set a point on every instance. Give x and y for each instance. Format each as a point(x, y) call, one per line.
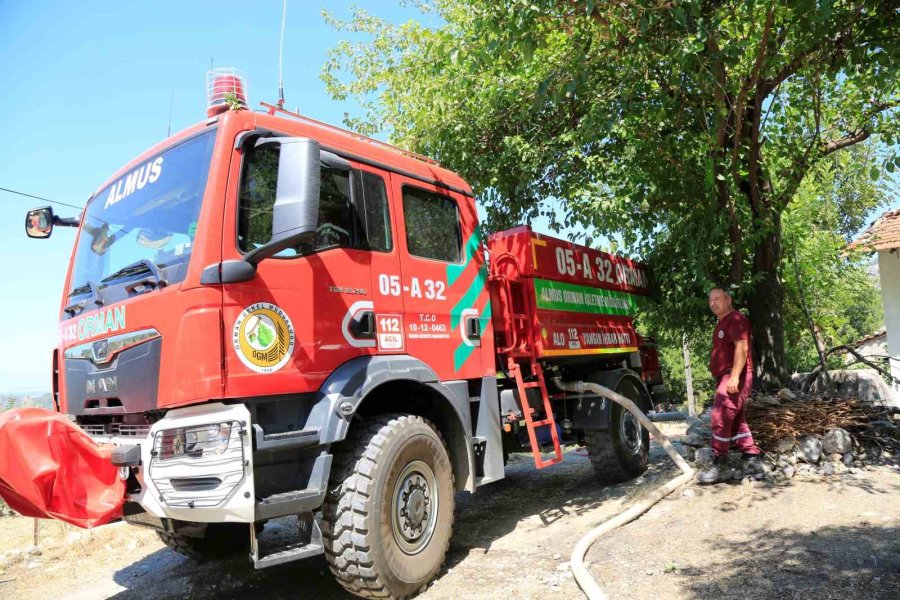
point(10, 400)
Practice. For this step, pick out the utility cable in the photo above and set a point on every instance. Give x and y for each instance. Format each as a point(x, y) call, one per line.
point(3, 189)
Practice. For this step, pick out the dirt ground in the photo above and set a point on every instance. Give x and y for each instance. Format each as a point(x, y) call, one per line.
point(810, 538)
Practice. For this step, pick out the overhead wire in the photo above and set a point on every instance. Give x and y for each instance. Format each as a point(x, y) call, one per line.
point(3, 189)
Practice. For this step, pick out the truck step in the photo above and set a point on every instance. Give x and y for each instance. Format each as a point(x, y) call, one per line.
point(295, 502)
point(285, 440)
point(308, 543)
point(286, 554)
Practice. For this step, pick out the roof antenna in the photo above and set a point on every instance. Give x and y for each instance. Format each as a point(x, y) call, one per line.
point(280, 52)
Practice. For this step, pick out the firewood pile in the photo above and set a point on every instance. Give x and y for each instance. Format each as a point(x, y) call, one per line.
point(807, 435)
point(772, 420)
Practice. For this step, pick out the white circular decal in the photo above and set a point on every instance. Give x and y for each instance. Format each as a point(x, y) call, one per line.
point(721, 334)
point(263, 337)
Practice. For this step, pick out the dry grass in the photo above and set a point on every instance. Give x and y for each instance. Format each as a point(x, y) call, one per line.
point(63, 547)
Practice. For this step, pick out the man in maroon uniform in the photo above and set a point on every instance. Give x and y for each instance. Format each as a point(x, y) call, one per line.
point(732, 367)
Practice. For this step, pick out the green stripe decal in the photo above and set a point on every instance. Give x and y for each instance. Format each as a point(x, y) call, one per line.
point(556, 295)
point(469, 298)
point(464, 351)
point(454, 271)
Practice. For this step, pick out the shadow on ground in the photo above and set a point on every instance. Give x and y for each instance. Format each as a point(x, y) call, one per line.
point(166, 574)
point(481, 518)
point(752, 559)
point(842, 562)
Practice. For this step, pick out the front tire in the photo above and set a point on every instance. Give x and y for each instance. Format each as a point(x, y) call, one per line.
point(621, 452)
point(388, 514)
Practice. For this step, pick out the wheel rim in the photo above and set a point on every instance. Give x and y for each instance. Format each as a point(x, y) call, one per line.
point(414, 507)
point(630, 432)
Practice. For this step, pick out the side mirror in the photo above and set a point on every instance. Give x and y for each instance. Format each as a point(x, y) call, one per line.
point(295, 215)
point(39, 222)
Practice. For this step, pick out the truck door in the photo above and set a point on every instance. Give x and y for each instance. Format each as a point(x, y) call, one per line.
point(379, 224)
point(443, 284)
point(303, 313)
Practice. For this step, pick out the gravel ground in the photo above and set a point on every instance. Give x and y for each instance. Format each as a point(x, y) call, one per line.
point(836, 537)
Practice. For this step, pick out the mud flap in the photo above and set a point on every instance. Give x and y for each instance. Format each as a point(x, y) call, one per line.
point(50, 468)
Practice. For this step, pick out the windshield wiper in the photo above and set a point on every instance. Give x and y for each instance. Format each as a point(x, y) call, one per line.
point(143, 265)
point(88, 287)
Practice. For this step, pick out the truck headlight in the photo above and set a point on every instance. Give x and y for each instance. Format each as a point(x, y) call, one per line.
point(193, 442)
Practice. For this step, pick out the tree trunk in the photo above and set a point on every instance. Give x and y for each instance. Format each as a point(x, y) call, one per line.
point(766, 303)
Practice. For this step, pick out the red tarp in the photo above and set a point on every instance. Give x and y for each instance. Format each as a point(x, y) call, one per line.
point(50, 468)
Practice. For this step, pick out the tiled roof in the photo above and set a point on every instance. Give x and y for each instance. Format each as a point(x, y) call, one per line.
point(884, 234)
point(881, 333)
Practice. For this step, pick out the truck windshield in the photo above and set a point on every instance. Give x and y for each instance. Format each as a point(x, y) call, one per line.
point(142, 226)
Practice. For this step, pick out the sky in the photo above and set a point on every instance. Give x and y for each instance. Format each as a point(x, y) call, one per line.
point(88, 86)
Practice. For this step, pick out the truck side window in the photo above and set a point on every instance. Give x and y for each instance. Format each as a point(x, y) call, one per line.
point(336, 214)
point(257, 198)
point(432, 225)
point(377, 215)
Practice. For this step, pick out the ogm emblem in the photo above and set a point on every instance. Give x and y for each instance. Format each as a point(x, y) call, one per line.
point(263, 337)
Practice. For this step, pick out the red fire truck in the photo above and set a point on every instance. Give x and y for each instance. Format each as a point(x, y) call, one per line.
point(269, 317)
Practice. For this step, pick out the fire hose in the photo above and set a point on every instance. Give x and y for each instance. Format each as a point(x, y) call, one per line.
point(587, 583)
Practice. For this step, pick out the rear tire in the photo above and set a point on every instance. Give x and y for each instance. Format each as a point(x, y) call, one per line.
point(388, 514)
point(218, 541)
point(621, 452)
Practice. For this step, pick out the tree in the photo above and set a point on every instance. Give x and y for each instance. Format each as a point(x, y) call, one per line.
point(823, 283)
point(838, 294)
point(686, 126)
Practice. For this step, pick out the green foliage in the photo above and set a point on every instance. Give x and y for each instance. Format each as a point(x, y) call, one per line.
point(233, 102)
point(686, 128)
point(671, 358)
point(843, 299)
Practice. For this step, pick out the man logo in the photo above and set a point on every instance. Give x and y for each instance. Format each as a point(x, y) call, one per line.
point(102, 385)
point(100, 351)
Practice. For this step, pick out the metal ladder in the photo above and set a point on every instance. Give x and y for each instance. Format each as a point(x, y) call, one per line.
point(516, 372)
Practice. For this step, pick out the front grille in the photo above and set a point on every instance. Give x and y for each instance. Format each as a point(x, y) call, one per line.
point(130, 430)
point(116, 428)
point(93, 430)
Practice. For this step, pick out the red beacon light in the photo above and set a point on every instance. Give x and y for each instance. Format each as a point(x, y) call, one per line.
point(219, 84)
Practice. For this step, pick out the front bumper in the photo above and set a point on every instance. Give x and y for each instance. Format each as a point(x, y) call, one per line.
point(215, 489)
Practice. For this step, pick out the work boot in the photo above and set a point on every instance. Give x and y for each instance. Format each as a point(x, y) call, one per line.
point(753, 464)
point(717, 472)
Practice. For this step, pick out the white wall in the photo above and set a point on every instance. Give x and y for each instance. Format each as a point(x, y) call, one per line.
point(889, 268)
point(877, 348)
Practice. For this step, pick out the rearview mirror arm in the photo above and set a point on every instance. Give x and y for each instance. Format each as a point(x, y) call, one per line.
point(66, 222)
